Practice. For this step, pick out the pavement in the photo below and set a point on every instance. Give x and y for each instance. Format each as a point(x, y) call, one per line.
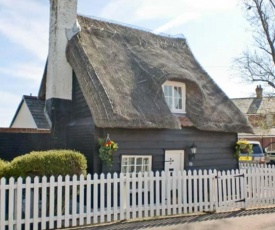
point(256, 219)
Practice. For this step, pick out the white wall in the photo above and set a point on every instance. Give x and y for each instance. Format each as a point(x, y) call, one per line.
point(59, 72)
point(24, 118)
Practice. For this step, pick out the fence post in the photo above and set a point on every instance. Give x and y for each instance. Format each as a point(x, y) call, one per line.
point(2, 203)
point(11, 204)
point(215, 201)
point(19, 202)
point(244, 186)
point(122, 203)
point(115, 196)
point(127, 196)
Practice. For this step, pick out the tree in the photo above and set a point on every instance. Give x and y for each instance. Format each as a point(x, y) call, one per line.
point(257, 63)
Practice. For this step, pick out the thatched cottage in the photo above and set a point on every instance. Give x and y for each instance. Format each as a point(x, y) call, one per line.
point(146, 91)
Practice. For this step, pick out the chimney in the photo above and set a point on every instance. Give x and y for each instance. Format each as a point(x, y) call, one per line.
point(63, 15)
point(259, 91)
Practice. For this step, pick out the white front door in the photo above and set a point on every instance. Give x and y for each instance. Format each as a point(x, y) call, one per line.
point(174, 160)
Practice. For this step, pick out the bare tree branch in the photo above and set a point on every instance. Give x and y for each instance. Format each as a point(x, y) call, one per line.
point(258, 64)
point(272, 3)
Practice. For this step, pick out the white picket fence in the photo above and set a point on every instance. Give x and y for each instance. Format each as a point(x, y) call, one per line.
point(259, 185)
point(67, 202)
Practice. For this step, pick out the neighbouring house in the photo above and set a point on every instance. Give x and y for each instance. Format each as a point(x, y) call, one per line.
point(30, 114)
point(146, 91)
point(260, 112)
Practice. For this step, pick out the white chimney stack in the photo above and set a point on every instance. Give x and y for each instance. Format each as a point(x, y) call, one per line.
point(63, 15)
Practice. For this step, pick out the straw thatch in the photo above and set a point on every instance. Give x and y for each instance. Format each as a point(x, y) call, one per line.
point(121, 71)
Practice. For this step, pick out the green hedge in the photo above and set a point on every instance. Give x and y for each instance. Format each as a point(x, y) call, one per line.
point(3, 166)
point(46, 163)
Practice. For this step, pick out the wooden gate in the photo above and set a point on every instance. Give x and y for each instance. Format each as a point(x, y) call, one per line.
point(230, 190)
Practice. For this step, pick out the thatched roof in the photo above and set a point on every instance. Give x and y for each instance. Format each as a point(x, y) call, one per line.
point(121, 71)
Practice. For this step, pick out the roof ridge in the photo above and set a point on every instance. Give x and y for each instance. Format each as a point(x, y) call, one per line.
point(131, 26)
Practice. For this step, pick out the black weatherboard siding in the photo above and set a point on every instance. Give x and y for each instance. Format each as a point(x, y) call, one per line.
point(214, 149)
point(80, 131)
point(16, 144)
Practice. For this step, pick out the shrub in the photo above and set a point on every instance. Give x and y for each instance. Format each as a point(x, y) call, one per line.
point(47, 163)
point(3, 167)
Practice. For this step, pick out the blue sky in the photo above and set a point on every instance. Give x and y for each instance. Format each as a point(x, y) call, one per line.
point(215, 30)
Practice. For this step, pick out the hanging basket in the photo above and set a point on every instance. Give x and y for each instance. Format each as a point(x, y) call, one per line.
point(243, 146)
point(245, 150)
point(106, 150)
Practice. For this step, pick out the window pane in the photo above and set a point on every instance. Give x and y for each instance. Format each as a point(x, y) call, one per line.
point(170, 102)
point(165, 90)
point(132, 161)
point(178, 103)
point(131, 169)
point(177, 98)
point(177, 92)
point(168, 95)
point(124, 169)
point(170, 91)
point(139, 168)
point(145, 169)
point(145, 161)
point(139, 161)
point(124, 161)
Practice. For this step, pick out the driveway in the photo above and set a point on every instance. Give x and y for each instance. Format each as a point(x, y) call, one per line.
point(257, 219)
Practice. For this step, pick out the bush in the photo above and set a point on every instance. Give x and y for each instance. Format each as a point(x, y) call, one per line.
point(3, 167)
point(47, 163)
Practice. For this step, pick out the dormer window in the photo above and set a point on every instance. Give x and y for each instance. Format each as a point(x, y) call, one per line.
point(174, 93)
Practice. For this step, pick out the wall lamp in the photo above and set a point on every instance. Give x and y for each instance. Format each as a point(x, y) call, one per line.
point(192, 154)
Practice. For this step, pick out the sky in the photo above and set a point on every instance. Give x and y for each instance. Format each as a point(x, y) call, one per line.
point(216, 32)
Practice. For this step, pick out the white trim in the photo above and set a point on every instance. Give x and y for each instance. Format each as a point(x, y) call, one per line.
point(183, 95)
point(128, 168)
point(149, 157)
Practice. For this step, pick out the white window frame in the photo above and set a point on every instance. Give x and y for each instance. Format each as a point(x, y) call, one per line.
point(135, 163)
point(183, 96)
point(135, 171)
